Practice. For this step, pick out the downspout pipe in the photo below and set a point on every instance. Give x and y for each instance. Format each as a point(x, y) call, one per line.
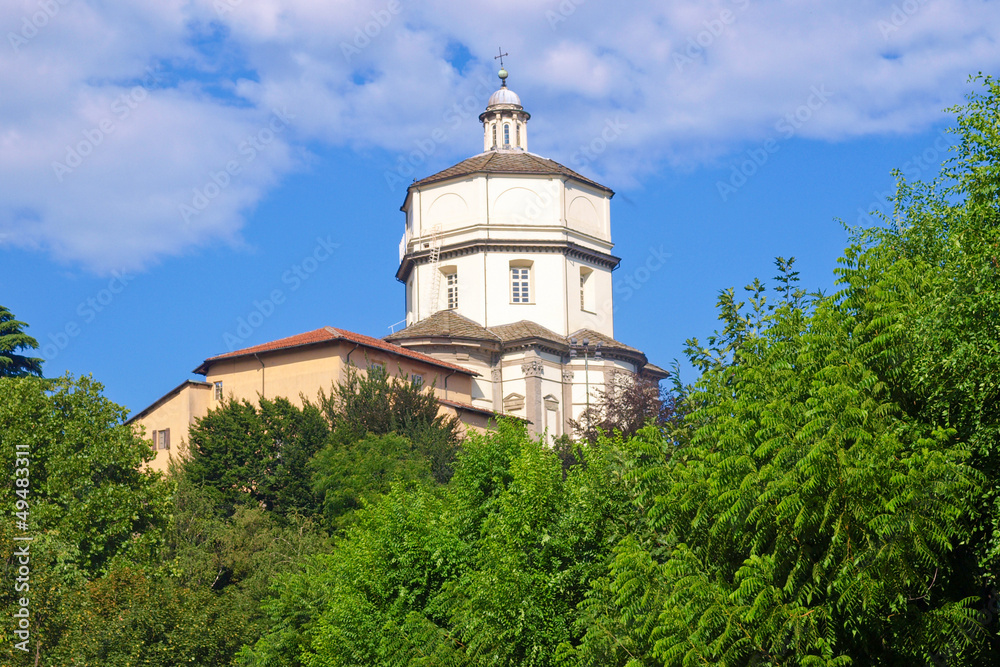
point(446, 383)
point(262, 394)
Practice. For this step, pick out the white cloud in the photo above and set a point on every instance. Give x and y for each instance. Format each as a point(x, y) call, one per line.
point(684, 83)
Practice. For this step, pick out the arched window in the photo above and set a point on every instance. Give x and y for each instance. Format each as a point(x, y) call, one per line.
point(506, 134)
point(518, 130)
point(494, 126)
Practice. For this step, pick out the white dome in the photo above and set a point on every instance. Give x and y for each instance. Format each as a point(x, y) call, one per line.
point(504, 96)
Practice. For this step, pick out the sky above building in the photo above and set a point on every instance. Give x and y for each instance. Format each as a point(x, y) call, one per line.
point(184, 177)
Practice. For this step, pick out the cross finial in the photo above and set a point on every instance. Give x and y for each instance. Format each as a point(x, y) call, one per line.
point(502, 73)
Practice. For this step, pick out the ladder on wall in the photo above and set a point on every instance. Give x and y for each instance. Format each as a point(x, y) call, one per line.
point(435, 262)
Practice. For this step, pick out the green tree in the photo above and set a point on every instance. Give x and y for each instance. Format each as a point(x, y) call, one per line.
point(246, 455)
point(88, 483)
point(12, 339)
point(378, 403)
point(137, 617)
point(831, 497)
point(349, 475)
point(87, 502)
point(488, 570)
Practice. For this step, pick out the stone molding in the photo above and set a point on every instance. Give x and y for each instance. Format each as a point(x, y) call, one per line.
point(533, 368)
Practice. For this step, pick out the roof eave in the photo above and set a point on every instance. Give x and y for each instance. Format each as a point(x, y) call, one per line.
point(204, 367)
point(176, 390)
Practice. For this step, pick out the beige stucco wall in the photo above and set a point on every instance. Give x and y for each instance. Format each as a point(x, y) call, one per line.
point(306, 370)
point(290, 374)
point(176, 413)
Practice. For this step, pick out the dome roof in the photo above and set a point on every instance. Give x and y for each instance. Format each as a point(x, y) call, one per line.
point(504, 96)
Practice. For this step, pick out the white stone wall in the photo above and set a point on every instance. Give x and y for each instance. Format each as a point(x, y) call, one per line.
point(522, 210)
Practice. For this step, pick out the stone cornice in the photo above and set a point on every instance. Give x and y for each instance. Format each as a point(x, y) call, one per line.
point(567, 248)
point(523, 345)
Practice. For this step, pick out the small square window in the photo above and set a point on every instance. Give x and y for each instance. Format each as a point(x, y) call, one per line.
point(417, 379)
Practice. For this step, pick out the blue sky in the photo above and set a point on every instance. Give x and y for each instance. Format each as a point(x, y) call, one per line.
point(169, 169)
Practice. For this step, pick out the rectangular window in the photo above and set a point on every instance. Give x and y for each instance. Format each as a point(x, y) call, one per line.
point(418, 380)
point(451, 280)
point(218, 390)
point(162, 439)
point(519, 279)
point(587, 299)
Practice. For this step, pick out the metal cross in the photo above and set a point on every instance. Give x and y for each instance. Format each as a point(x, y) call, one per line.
point(500, 57)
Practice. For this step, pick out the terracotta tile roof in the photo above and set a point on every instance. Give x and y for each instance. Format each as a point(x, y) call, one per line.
point(328, 334)
point(444, 323)
point(466, 406)
point(525, 329)
point(606, 341)
point(508, 162)
point(449, 324)
point(653, 369)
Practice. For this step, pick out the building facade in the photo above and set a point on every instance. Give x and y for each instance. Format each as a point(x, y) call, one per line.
point(294, 367)
point(507, 263)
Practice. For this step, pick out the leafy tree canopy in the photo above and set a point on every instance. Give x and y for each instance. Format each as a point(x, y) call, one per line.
point(377, 403)
point(246, 455)
point(832, 496)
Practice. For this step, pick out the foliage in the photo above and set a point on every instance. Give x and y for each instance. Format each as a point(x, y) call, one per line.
point(131, 617)
point(206, 548)
point(379, 404)
point(13, 339)
point(87, 485)
point(624, 405)
point(831, 497)
point(244, 455)
point(349, 475)
point(807, 519)
point(488, 570)
point(88, 505)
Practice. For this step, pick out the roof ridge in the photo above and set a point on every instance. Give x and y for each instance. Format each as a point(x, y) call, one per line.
point(506, 162)
point(331, 334)
point(441, 323)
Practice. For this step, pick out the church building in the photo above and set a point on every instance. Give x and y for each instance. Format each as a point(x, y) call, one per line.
point(507, 263)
